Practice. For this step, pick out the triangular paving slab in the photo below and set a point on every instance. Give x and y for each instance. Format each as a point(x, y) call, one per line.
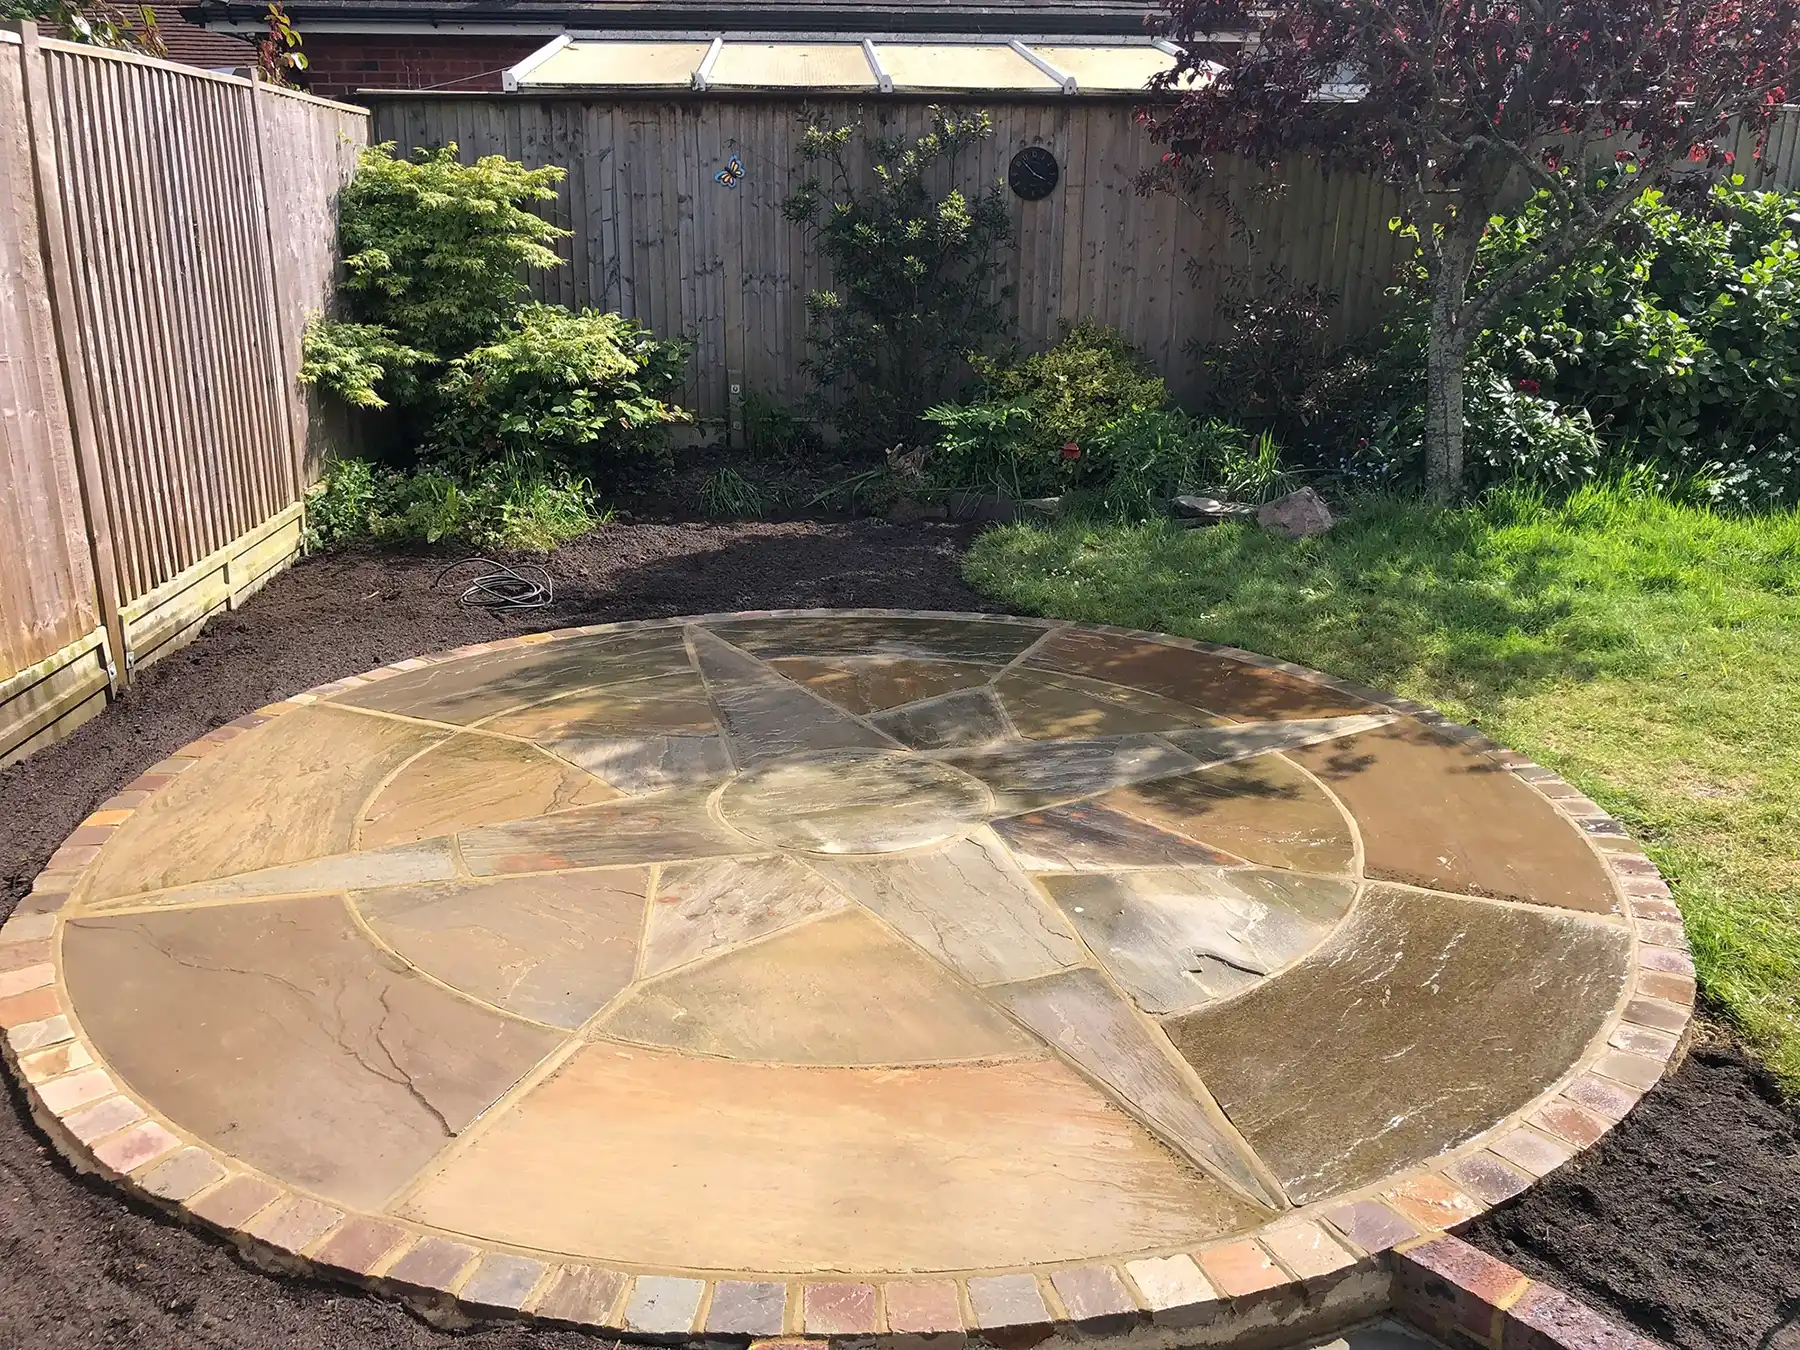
point(764, 714)
point(700, 909)
point(473, 780)
point(871, 683)
point(1086, 837)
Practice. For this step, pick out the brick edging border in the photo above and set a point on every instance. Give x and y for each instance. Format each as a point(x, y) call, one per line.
point(1321, 1266)
point(1472, 1301)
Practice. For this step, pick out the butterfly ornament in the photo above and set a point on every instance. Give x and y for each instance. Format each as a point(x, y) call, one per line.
point(732, 174)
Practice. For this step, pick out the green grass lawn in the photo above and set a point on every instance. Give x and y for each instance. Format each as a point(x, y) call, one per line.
point(1648, 652)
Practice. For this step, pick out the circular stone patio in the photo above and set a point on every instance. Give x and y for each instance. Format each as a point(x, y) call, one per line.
point(846, 973)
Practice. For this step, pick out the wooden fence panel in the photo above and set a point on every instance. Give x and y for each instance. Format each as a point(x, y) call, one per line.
point(163, 233)
point(658, 239)
point(50, 622)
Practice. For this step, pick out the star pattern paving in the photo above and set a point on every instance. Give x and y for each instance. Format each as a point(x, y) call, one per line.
point(1113, 943)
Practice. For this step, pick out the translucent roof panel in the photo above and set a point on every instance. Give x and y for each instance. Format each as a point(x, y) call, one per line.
point(959, 66)
point(792, 65)
point(1102, 68)
point(620, 63)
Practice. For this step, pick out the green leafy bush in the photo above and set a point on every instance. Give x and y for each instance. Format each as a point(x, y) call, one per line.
point(587, 389)
point(1681, 337)
point(498, 505)
point(1089, 378)
point(435, 250)
point(917, 270)
point(357, 361)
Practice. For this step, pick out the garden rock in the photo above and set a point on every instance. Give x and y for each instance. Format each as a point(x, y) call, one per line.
point(1210, 510)
point(1296, 515)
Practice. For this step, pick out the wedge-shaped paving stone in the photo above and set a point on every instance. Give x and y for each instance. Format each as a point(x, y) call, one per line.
point(850, 635)
point(474, 780)
point(555, 949)
point(746, 1308)
point(841, 990)
point(1246, 740)
point(1045, 706)
point(467, 689)
point(1180, 939)
point(667, 703)
point(278, 1034)
point(869, 684)
point(853, 801)
point(1081, 1015)
point(968, 905)
point(968, 717)
point(1263, 810)
point(583, 1294)
point(501, 1281)
point(673, 824)
point(765, 714)
point(397, 865)
point(1420, 1023)
point(647, 763)
point(1090, 838)
point(284, 792)
point(1437, 814)
point(1033, 777)
point(701, 909)
point(1205, 680)
point(1022, 1161)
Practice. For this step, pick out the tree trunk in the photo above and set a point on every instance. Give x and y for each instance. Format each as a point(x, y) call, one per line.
point(1444, 415)
point(1444, 358)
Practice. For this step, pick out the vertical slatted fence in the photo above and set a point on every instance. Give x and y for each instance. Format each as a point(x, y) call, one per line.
point(164, 232)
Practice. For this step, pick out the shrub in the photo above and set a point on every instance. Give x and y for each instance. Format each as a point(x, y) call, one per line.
point(585, 390)
point(1089, 378)
point(917, 273)
point(496, 506)
point(727, 495)
point(435, 251)
point(356, 361)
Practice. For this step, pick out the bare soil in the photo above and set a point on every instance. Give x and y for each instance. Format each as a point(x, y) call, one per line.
point(1685, 1220)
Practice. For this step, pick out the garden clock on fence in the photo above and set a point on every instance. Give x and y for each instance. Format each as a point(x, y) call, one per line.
point(1033, 173)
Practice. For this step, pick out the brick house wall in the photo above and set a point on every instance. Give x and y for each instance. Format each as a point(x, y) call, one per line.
point(342, 63)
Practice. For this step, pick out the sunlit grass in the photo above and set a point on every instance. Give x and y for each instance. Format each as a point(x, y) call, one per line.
point(1649, 652)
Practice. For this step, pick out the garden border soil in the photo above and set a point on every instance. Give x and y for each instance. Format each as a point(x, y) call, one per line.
point(1681, 1221)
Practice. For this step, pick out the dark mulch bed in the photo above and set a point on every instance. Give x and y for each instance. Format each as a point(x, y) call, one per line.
point(1684, 1220)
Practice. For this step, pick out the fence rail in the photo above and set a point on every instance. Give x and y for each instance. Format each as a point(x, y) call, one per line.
point(163, 231)
point(657, 238)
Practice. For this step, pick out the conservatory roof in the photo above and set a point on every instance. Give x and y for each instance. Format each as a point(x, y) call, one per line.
point(839, 62)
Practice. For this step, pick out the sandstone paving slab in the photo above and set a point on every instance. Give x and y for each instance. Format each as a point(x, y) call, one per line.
point(293, 791)
point(1263, 810)
point(467, 690)
point(701, 909)
point(277, 1034)
point(790, 1169)
point(841, 990)
point(1215, 683)
point(664, 703)
point(870, 684)
point(1089, 838)
point(1177, 940)
point(924, 637)
point(1079, 1013)
point(1049, 706)
point(675, 824)
point(969, 905)
point(1032, 777)
point(1420, 1023)
point(967, 717)
point(473, 780)
point(555, 949)
point(1437, 814)
point(764, 714)
point(990, 971)
point(647, 763)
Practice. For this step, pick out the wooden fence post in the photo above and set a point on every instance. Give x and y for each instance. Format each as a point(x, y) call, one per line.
point(286, 355)
point(70, 349)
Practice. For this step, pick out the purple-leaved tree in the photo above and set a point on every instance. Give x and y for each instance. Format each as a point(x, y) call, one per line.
point(1591, 101)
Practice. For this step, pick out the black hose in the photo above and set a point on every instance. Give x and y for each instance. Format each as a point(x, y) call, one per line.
point(525, 587)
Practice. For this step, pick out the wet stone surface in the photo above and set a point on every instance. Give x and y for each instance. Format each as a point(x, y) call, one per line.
point(818, 962)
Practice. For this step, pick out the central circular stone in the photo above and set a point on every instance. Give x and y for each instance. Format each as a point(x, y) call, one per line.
point(854, 801)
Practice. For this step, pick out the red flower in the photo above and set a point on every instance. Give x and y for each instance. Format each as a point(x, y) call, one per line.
point(1528, 386)
point(1071, 451)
